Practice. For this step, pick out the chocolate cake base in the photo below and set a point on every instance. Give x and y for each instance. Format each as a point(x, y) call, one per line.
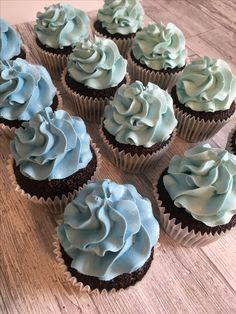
point(232, 142)
point(64, 51)
point(119, 282)
point(99, 28)
point(18, 123)
point(22, 55)
point(56, 187)
point(206, 116)
point(133, 149)
point(162, 71)
point(183, 217)
point(90, 92)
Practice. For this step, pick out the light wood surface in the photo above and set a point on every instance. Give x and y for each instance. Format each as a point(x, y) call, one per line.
point(180, 280)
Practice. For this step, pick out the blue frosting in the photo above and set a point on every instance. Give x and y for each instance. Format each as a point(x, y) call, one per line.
point(10, 41)
point(108, 230)
point(24, 89)
point(52, 145)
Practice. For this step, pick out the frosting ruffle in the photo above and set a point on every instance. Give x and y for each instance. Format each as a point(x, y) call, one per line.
point(108, 230)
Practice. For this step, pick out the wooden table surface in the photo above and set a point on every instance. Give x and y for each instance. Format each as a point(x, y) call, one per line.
point(180, 280)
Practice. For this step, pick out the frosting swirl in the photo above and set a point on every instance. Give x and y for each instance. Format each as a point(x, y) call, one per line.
point(10, 41)
point(108, 230)
point(203, 182)
point(121, 16)
point(61, 26)
point(24, 89)
point(207, 85)
point(97, 64)
point(160, 46)
point(140, 115)
point(52, 145)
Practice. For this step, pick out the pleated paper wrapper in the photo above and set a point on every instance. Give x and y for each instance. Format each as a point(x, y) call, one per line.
point(135, 163)
point(57, 205)
point(89, 108)
point(229, 144)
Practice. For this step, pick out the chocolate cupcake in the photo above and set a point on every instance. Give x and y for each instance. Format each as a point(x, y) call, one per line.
point(11, 46)
point(204, 98)
point(107, 239)
point(95, 71)
point(231, 143)
point(58, 29)
point(53, 157)
point(25, 90)
point(138, 126)
point(196, 195)
point(119, 21)
point(158, 55)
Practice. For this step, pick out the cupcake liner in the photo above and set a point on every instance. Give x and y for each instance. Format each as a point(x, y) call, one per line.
point(53, 62)
point(123, 44)
point(135, 163)
point(180, 234)
point(163, 80)
point(56, 205)
point(27, 51)
point(229, 146)
point(194, 129)
point(89, 108)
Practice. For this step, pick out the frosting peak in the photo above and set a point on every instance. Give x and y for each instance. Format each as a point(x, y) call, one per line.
point(207, 85)
point(108, 230)
point(140, 115)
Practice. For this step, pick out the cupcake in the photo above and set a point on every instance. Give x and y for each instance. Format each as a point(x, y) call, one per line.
point(53, 157)
point(58, 29)
point(196, 195)
point(107, 240)
point(95, 71)
point(138, 126)
point(11, 46)
point(158, 55)
point(231, 143)
point(119, 21)
point(204, 98)
point(25, 89)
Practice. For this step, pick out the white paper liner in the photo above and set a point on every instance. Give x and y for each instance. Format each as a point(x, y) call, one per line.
point(74, 281)
point(135, 163)
point(229, 146)
point(163, 80)
point(179, 234)
point(194, 129)
point(53, 62)
point(89, 108)
point(57, 205)
point(123, 44)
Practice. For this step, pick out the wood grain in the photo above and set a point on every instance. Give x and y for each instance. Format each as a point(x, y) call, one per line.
point(180, 280)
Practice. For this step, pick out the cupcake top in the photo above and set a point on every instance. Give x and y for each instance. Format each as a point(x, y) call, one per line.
point(97, 64)
point(207, 84)
point(52, 145)
point(25, 89)
point(108, 230)
point(140, 115)
point(121, 16)
point(203, 182)
point(61, 25)
point(10, 41)
point(160, 46)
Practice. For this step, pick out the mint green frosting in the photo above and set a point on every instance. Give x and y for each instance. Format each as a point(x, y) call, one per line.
point(10, 41)
point(61, 25)
point(97, 64)
point(52, 145)
point(207, 85)
point(160, 46)
point(203, 182)
point(121, 16)
point(24, 89)
point(140, 115)
point(108, 230)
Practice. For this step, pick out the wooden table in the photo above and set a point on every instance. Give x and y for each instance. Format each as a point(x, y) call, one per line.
point(180, 280)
